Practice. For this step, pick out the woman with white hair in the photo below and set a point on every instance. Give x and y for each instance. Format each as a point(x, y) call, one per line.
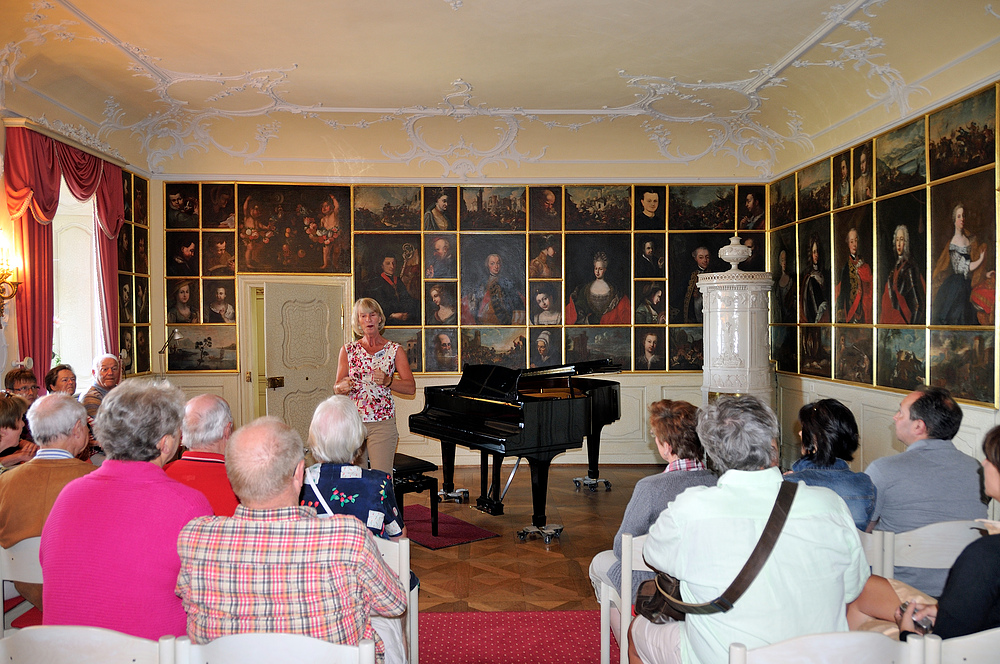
point(335, 485)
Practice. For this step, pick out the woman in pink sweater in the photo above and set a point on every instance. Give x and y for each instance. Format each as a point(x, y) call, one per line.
point(109, 546)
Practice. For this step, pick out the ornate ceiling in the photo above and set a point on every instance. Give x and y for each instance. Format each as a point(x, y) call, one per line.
point(631, 90)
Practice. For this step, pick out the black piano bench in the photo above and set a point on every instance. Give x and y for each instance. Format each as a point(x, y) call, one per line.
point(408, 477)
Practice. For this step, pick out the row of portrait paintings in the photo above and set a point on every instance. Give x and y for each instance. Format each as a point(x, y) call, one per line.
point(959, 138)
point(324, 209)
point(135, 198)
point(961, 360)
point(445, 349)
point(597, 274)
point(868, 264)
point(208, 254)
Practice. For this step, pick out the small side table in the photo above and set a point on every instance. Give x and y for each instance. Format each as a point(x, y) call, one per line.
point(408, 477)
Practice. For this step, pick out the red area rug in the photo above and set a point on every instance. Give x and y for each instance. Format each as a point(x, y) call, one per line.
point(451, 531)
point(512, 637)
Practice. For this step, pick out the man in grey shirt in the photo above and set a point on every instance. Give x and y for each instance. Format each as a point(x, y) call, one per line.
point(931, 481)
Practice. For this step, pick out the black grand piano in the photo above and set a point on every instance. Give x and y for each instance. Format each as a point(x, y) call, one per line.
point(531, 413)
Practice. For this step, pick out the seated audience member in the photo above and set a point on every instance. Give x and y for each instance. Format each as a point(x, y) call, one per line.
point(335, 485)
point(207, 426)
point(28, 491)
point(930, 482)
point(970, 601)
point(12, 410)
point(706, 536)
point(672, 423)
point(329, 571)
point(107, 373)
point(61, 378)
point(22, 382)
point(829, 440)
point(109, 546)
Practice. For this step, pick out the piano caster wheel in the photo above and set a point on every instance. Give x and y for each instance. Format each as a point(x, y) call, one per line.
point(456, 496)
point(547, 533)
point(591, 483)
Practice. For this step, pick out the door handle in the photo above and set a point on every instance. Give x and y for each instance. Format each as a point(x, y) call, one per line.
point(275, 382)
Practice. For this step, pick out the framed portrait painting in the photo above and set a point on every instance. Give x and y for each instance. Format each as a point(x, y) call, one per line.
point(650, 349)
point(441, 348)
point(650, 208)
point(387, 269)
point(545, 206)
point(963, 246)
point(864, 180)
point(219, 208)
point(440, 208)
point(493, 290)
point(545, 347)
point(182, 205)
point(784, 262)
point(598, 279)
point(140, 202)
point(852, 258)
point(901, 239)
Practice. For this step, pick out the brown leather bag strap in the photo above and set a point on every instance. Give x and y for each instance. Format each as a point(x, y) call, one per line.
point(723, 603)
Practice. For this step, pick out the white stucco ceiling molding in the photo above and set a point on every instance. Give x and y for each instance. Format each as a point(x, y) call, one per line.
point(461, 159)
point(990, 10)
point(862, 57)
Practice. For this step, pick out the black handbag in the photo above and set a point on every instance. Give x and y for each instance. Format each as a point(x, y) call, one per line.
point(659, 600)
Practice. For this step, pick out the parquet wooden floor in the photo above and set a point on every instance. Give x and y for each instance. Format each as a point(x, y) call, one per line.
point(505, 574)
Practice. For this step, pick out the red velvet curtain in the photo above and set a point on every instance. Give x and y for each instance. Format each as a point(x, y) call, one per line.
point(32, 167)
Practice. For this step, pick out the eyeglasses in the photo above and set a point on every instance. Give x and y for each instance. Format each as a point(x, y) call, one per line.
point(27, 389)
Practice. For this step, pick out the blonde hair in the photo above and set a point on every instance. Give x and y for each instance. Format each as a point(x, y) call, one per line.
point(368, 304)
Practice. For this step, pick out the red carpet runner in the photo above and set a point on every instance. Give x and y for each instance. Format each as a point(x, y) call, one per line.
point(512, 637)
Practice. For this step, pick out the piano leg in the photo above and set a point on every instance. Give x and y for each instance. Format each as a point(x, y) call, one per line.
point(489, 500)
point(593, 477)
point(448, 491)
point(539, 489)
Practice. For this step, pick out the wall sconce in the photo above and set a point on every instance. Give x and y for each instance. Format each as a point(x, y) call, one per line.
point(173, 336)
point(8, 288)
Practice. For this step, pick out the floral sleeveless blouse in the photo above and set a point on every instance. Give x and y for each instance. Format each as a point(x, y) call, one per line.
point(374, 401)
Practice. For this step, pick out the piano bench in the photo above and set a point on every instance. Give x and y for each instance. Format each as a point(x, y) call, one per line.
point(408, 477)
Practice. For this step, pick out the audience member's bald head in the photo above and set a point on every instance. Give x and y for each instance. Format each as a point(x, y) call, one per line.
point(208, 423)
point(59, 421)
point(264, 462)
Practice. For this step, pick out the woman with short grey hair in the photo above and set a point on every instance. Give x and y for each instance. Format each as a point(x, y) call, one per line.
point(127, 512)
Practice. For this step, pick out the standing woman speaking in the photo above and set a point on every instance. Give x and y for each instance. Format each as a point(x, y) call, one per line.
point(366, 373)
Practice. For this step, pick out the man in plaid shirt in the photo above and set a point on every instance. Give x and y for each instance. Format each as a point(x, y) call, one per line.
point(274, 566)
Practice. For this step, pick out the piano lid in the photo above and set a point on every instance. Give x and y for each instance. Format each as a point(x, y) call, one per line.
point(490, 381)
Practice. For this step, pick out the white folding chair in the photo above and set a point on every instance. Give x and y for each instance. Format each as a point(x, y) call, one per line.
point(874, 546)
point(621, 598)
point(397, 556)
point(835, 648)
point(20, 563)
point(979, 647)
point(936, 546)
point(266, 648)
point(74, 644)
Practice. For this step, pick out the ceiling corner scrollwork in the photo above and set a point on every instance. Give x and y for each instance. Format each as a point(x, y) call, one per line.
point(862, 57)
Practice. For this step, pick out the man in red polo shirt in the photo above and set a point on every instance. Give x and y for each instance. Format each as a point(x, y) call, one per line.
point(208, 424)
